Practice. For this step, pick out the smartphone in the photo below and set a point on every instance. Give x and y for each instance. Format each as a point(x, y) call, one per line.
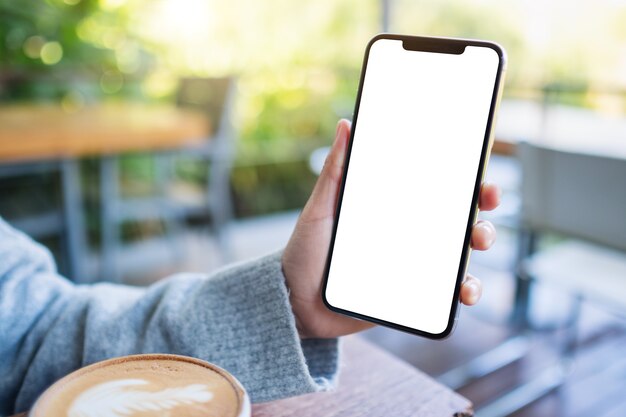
point(421, 136)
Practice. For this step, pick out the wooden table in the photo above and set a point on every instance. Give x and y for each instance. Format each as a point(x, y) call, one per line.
point(34, 136)
point(47, 132)
point(373, 383)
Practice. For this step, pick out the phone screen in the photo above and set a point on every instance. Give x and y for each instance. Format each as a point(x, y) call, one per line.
point(406, 206)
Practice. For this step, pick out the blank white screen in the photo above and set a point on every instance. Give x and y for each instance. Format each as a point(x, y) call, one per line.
point(408, 192)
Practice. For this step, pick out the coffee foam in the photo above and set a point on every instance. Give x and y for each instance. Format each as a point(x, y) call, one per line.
point(145, 385)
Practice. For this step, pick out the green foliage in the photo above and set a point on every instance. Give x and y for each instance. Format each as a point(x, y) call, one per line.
point(54, 49)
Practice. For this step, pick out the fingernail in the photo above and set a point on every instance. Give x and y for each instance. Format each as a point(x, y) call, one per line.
point(488, 233)
point(498, 189)
point(340, 129)
point(473, 292)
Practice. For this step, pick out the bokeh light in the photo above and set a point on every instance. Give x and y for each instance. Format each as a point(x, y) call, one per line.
point(51, 53)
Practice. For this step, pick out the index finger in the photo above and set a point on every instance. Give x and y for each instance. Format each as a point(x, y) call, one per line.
point(489, 197)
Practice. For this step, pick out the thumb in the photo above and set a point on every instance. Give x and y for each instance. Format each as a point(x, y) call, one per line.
point(323, 200)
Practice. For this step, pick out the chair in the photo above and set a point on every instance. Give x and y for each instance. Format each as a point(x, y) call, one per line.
point(214, 97)
point(173, 202)
point(66, 221)
point(582, 199)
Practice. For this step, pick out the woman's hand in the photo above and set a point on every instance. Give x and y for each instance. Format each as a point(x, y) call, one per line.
point(304, 258)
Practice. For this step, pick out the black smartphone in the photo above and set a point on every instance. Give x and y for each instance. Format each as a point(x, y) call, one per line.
point(421, 136)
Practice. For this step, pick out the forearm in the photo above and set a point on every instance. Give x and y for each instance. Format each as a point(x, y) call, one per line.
point(238, 318)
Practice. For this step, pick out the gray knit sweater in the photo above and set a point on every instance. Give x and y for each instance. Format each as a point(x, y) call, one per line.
point(238, 318)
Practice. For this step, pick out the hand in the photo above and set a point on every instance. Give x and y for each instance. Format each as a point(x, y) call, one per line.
point(304, 258)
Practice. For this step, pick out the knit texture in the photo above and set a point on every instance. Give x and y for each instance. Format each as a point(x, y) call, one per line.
point(238, 318)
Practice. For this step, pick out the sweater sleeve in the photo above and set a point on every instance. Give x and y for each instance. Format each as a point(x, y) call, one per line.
point(238, 318)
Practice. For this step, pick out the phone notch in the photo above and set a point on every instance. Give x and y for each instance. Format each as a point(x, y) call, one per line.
point(433, 45)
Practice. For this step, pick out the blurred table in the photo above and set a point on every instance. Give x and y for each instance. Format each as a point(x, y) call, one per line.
point(373, 383)
point(559, 127)
point(36, 138)
point(47, 132)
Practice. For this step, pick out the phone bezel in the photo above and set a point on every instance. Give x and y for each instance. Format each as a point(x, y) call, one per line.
point(434, 45)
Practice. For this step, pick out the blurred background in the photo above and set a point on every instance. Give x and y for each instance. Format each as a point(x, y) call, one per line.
point(140, 138)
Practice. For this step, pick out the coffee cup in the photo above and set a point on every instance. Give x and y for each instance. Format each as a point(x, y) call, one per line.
point(145, 386)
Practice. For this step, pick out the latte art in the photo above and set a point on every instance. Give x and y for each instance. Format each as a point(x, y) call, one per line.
point(156, 385)
point(119, 399)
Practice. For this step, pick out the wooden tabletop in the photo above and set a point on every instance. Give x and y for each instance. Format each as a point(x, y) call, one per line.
point(36, 132)
point(373, 383)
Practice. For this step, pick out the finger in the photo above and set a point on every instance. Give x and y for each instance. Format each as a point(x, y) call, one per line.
point(489, 196)
point(323, 199)
point(483, 235)
point(471, 290)
point(333, 166)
